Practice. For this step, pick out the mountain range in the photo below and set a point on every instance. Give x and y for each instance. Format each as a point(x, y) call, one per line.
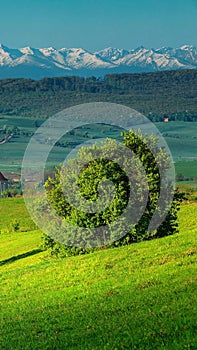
point(28, 62)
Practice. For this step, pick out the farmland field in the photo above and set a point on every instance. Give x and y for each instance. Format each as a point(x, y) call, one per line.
point(137, 297)
point(187, 168)
point(180, 136)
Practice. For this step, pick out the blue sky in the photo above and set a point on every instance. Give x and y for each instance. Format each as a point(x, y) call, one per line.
point(95, 24)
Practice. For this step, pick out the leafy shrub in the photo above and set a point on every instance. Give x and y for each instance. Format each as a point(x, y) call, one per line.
point(15, 225)
point(102, 168)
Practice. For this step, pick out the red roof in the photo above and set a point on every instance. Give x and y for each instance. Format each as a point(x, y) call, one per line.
point(2, 177)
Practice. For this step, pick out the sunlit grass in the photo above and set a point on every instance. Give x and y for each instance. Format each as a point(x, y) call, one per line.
point(137, 297)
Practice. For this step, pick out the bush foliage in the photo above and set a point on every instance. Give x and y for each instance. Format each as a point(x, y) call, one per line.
point(129, 188)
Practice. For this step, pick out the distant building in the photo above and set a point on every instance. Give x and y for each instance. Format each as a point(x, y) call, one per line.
point(3, 184)
point(166, 119)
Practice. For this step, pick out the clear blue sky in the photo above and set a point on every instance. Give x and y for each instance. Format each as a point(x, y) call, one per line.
point(95, 24)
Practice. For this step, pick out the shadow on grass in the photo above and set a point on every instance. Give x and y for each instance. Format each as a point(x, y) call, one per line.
point(20, 256)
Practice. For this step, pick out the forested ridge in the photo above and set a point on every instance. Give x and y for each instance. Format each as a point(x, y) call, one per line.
point(167, 93)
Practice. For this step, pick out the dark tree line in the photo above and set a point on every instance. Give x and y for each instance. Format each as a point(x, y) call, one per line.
point(160, 94)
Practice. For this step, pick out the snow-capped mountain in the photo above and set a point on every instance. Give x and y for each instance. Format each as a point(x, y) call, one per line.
point(184, 57)
point(35, 63)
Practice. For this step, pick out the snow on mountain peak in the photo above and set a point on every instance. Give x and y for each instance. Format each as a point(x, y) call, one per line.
point(111, 53)
point(50, 61)
point(186, 47)
point(48, 49)
point(27, 50)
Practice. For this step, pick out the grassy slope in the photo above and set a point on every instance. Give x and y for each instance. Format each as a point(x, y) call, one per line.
point(14, 209)
point(136, 297)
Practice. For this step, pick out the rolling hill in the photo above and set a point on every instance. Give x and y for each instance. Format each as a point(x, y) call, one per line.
point(139, 297)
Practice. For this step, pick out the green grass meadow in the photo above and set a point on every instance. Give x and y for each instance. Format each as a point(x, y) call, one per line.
point(140, 296)
point(12, 209)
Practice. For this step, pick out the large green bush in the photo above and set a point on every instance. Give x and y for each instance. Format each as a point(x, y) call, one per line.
point(97, 169)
